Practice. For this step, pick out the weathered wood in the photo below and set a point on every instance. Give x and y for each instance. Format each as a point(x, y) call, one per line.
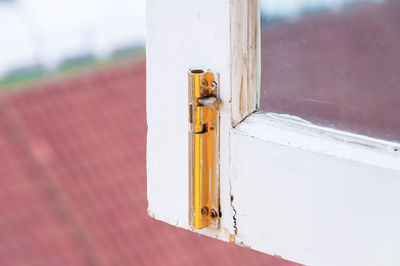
point(245, 58)
point(288, 187)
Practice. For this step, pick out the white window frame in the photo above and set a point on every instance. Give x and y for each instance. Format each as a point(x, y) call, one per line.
point(310, 194)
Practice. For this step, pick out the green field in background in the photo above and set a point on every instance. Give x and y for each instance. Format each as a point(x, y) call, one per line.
point(69, 66)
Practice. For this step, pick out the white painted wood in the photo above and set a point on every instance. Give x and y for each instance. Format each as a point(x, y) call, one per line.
point(315, 195)
point(310, 194)
point(293, 131)
point(182, 35)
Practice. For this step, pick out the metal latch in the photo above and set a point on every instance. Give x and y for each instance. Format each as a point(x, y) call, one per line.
point(204, 149)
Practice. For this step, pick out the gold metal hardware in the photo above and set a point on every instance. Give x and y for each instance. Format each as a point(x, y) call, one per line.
point(204, 149)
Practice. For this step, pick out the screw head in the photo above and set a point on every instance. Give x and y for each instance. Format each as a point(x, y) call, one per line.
point(214, 214)
point(204, 210)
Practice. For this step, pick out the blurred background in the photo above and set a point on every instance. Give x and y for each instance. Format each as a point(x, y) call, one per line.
point(73, 142)
point(73, 134)
point(42, 36)
point(335, 63)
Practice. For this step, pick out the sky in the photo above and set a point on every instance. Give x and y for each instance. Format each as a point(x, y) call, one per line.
point(46, 31)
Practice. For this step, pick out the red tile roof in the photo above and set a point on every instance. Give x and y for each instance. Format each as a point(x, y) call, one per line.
point(73, 180)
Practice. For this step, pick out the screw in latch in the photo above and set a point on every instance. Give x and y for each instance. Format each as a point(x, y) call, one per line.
point(214, 214)
point(204, 211)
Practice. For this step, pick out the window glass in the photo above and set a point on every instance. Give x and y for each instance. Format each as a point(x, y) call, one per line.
point(334, 63)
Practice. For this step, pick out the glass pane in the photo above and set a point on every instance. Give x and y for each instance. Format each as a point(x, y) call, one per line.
point(334, 63)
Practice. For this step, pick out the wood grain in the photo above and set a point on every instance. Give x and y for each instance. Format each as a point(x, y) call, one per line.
point(245, 58)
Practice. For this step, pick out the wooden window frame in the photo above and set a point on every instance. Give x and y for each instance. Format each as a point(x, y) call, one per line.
point(307, 160)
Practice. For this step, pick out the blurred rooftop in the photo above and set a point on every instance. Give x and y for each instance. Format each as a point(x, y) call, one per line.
point(73, 177)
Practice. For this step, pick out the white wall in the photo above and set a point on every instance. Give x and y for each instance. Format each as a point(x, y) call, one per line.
point(48, 31)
